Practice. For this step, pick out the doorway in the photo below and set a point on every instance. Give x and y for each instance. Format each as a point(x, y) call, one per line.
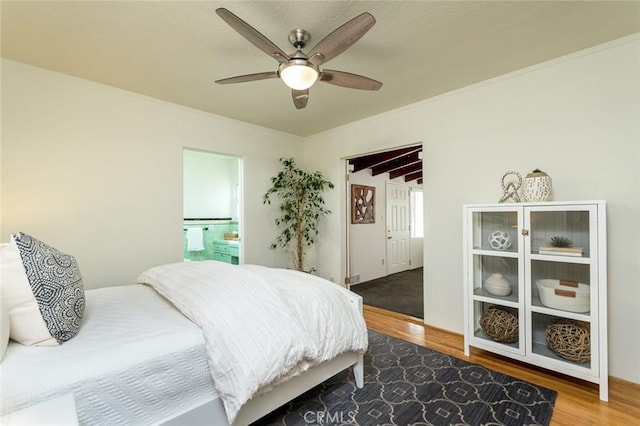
point(386, 252)
point(212, 198)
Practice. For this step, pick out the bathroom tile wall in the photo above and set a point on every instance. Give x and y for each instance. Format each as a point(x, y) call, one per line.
point(215, 230)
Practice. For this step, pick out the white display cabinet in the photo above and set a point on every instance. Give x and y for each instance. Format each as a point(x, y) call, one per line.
point(535, 285)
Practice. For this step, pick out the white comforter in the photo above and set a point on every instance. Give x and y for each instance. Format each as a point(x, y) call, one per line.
point(261, 325)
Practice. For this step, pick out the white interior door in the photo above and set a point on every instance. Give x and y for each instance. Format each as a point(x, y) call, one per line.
point(398, 230)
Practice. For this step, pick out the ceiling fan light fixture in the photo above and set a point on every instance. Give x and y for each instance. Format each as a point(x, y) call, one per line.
point(299, 71)
point(298, 74)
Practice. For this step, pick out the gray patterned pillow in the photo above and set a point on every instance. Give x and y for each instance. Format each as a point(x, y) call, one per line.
point(56, 285)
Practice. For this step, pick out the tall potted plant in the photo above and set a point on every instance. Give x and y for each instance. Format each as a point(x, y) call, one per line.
point(301, 208)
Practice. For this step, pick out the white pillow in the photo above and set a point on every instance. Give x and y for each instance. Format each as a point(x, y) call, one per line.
point(4, 319)
point(4, 329)
point(43, 291)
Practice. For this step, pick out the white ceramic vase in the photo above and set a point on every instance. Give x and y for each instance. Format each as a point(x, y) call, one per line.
point(536, 187)
point(497, 285)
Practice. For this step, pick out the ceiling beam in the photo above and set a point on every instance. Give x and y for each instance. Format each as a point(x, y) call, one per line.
point(397, 163)
point(403, 162)
point(406, 170)
point(371, 160)
point(413, 176)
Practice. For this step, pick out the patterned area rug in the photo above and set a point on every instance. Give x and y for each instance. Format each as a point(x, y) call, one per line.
point(406, 384)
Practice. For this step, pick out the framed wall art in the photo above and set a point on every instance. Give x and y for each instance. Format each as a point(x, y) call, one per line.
point(363, 204)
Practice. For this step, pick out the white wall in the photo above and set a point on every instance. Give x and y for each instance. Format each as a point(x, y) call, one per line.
point(417, 243)
point(209, 185)
point(368, 240)
point(97, 172)
point(577, 118)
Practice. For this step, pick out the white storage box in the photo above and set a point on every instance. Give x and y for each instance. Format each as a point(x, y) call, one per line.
point(570, 296)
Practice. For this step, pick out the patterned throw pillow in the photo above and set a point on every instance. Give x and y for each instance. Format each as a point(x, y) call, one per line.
point(43, 292)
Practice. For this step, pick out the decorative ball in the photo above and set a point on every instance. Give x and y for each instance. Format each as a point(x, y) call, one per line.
point(500, 323)
point(570, 339)
point(500, 240)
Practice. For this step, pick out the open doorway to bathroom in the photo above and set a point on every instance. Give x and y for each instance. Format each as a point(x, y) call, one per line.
point(211, 206)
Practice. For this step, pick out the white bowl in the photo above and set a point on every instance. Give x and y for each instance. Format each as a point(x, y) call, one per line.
point(569, 302)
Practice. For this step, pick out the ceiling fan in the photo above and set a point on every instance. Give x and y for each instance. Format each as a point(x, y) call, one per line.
point(299, 71)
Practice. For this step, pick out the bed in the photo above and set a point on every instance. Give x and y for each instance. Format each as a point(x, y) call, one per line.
point(191, 343)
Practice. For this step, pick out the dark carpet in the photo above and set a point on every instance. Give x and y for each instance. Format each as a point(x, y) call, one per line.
point(401, 292)
point(406, 384)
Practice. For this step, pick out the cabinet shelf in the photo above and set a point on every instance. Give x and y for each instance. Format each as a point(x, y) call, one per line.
point(542, 350)
point(479, 334)
point(482, 295)
point(498, 253)
point(539, 327)
point(558, 258)
point(537, 306)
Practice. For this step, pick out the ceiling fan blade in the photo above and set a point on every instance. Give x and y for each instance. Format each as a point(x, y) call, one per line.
point(300, 98)
point(248, 77)
point(341, 39)
point(347, 79)
point(254, 36)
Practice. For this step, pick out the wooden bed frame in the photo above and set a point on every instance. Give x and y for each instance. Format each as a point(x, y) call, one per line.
point(213, 412)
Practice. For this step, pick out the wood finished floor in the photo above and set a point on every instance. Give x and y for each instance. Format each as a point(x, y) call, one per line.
point(578, 401)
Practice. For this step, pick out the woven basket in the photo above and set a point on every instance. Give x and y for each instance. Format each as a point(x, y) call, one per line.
point(500, 323)
point(570, 340)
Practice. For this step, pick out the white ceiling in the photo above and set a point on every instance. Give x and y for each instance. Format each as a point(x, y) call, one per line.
point(174, 50)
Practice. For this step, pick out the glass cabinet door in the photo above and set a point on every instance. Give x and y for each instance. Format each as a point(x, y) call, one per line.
point(496, 275)
point(561, 232)
point(561, 247)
